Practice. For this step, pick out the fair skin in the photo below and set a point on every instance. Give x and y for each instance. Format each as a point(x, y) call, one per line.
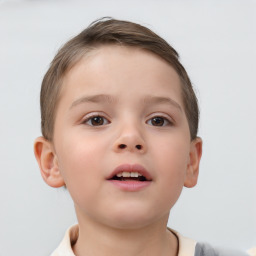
point(121, 106)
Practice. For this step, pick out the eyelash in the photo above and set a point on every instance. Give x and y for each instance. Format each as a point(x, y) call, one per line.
point(167, 121)
point(89, 118)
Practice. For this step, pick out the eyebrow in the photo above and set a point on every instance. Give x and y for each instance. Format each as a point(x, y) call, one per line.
point(93, 99)
point(161, 100)
point(105, 98)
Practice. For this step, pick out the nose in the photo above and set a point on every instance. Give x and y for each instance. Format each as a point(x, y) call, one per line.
point(131, 140)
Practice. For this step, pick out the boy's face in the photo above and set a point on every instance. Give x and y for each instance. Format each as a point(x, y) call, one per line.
point(121, 109)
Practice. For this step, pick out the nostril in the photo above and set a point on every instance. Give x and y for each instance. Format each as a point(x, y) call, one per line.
point(138, 146)
point(122, 146)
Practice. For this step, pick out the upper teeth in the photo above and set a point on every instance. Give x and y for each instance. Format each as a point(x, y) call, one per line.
point(128, 174)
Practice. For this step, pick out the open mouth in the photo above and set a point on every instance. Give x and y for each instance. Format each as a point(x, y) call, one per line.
point(129, 176)
point(130, 173)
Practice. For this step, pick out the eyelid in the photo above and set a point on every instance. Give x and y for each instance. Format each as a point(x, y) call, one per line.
point(162, 115)
point(88, 116)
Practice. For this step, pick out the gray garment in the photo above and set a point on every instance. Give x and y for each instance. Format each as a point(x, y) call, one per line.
point(203, 249)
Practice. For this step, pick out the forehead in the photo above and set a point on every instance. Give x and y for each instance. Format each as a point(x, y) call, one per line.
point(121, 68)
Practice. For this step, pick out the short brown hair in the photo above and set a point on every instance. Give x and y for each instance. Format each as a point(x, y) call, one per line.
point(111, 31)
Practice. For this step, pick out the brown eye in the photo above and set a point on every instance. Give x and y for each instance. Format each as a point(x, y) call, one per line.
point(96, 121)
point(158, 121)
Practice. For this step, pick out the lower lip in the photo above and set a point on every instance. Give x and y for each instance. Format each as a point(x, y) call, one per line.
point(131, 186)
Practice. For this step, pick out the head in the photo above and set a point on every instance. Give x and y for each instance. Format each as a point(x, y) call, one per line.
point(111, 32)
point(116, 101)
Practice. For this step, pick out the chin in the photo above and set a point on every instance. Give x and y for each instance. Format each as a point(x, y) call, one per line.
point(130, 224)
point(134, 218)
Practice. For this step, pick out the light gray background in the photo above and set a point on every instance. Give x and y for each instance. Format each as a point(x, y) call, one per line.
point(216, 41)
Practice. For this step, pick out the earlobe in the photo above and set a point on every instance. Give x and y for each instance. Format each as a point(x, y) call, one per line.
point(194, 161)
point(48, 162)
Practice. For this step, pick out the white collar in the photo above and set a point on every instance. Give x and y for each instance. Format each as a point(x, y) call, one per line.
point(186, 245)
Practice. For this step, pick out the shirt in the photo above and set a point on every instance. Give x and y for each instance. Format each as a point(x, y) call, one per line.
point(187, 246)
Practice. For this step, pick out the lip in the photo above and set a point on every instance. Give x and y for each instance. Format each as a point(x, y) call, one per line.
point(130, 185)
point(131, 168)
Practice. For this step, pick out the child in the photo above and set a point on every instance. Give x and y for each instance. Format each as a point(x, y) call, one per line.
point(119, 125)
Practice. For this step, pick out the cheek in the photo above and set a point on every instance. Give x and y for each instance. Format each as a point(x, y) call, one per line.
point(78, 161)
point(80, 174)
point(171, 164)
point(174, 154)
point(77, 150)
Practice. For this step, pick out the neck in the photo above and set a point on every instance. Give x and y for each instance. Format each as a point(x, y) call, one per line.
point(97, 239)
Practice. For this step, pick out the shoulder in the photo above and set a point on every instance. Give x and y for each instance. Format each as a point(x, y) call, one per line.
point(186, 245)
point(65, 247)
point(189, 247)
point(204, 249)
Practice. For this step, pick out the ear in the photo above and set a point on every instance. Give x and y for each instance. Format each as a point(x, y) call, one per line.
point(193, 165)
point(48, 162)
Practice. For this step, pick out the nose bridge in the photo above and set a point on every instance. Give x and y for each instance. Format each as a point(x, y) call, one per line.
point(130, 136)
